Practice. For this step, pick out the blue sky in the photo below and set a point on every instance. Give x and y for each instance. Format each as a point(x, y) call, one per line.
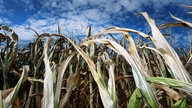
point(75, 15)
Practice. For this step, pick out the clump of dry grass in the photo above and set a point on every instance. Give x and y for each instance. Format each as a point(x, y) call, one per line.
point(97, 72)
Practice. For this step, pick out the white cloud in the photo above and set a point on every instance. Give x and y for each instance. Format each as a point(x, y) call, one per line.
point(1, 6)
point(68, 26)
point(23, 32)
point(75, 15)
point(5, 21)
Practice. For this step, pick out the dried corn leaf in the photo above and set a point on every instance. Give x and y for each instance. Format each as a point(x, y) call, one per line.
point(34, 79)
point(114, 29)
point(137, 69)
point(172, 25)
point(111, 83)
point(135, 56)
point(61, 72)
point(189, 61)
point(48, 96)
point(105, 96)
point(172, 93)
point(89, 31)
point(186, 6)
point(169, 54)
point(72, 82)
point(183, 21)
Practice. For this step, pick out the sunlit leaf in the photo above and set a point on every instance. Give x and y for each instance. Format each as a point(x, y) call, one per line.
point(168, 53)
point(48, 95)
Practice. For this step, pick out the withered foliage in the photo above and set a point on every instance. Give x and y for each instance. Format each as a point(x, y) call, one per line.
point(55, 71)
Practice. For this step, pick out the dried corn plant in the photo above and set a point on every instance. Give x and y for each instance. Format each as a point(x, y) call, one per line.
point(95, 72)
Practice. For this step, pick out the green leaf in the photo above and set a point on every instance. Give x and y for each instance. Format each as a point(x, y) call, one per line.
point(1, 100)
point(187, 87)
point(180, 104)
point(10, 99)
point(101, 76)
point(135, 99)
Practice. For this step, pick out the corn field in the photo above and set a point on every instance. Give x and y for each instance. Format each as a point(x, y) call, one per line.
point(56, 71)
